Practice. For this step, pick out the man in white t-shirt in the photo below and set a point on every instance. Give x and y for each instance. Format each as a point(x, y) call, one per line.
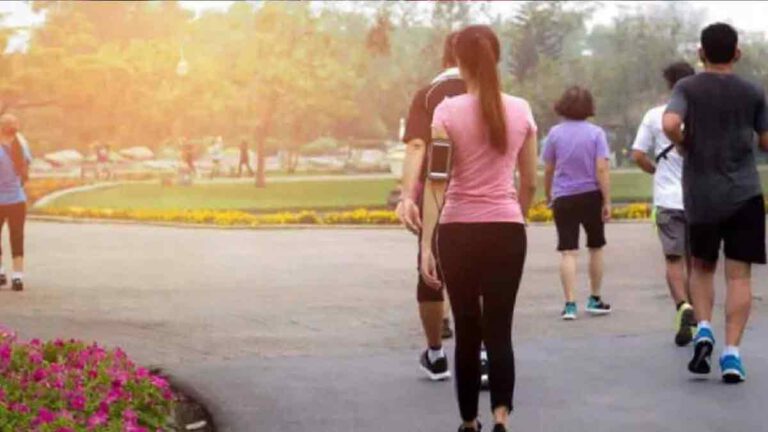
point(217, 153)
point(666, 166)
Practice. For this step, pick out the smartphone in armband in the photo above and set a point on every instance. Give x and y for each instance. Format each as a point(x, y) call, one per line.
point(440, 153)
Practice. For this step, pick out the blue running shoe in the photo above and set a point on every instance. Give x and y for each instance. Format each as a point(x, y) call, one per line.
point(733, 370)
point(570, 312)
point(596, 306)
point(703, 345)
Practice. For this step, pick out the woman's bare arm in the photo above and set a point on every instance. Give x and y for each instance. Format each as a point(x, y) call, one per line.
point(526, 167)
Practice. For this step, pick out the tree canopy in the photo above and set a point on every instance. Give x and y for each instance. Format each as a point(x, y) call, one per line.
point(284, 74)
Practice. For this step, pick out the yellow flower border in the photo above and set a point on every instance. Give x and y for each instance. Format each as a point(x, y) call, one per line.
point(232, 218)
point(229, 217)
point(541, 213)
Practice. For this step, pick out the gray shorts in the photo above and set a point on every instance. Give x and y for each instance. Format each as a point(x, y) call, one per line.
point(673, 231)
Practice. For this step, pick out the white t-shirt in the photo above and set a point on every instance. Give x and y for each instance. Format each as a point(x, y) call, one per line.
point(667, 182)
point(217, 151)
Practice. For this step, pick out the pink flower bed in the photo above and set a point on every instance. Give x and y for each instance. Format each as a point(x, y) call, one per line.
point(70, 386)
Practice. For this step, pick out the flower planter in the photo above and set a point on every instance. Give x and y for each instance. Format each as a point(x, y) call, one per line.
point(69, 386)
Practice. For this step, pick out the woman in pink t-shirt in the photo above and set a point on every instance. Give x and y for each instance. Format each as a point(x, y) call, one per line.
point(480, 236)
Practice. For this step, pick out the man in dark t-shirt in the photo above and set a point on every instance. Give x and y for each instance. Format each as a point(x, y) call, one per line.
point(714, 117)
point(417, 137)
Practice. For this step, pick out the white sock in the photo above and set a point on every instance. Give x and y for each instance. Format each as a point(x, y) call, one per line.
point(731, 350)
point(435, 355)
point(705, 325)
point(17, 275)
point(2, 270)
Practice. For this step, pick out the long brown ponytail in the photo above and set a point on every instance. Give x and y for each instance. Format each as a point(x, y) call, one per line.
point(478, 52)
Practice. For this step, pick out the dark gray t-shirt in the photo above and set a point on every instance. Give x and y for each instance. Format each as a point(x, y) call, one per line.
point(722, 113)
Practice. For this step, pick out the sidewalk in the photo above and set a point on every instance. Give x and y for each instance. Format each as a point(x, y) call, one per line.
point(620, 383)
point(317, 330)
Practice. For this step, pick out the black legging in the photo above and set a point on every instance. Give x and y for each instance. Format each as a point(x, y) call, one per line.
point(16, 214)
point(483, 260)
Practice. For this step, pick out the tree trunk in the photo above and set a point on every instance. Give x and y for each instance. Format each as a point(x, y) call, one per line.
point(293, 161)
point(261, 180)
point(261, 141)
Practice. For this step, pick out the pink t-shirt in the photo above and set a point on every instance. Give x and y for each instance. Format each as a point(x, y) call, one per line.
point(482, 185)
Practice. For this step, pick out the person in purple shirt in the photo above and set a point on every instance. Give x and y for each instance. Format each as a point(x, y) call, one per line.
point(577, 185)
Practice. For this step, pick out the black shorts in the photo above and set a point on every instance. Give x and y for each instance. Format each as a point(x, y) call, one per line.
point(573, 211)
point(742, 235)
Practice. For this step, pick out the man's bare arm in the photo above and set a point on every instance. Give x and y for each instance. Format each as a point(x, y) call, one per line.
point(642, 160)
point(407, 209)
point(434, 196)
point(414, 157)
point(673, 128)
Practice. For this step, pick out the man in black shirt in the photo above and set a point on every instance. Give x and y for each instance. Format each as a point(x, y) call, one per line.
point(721, 114)
point(418, 133)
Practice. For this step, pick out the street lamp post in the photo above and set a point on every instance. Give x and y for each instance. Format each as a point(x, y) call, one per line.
point(182, 68)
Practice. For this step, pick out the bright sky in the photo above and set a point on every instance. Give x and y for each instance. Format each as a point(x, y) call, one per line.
point(745, 15)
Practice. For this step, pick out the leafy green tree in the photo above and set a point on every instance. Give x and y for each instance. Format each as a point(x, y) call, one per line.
point(285, 74)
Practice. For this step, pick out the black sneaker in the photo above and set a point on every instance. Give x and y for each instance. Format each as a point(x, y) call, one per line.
point(3, 279)
point(447, 333)
point(484, 382)
point(499, 428)
point(17, 285)
point(467, 429)
point(436, 371)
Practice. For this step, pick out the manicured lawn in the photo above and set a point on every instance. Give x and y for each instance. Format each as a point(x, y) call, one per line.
point(325, 194)
point(627, 187)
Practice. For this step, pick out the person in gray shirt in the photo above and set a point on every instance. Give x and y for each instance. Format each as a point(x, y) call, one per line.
point(714, 118)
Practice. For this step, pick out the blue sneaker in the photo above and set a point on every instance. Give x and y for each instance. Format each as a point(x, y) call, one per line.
point(703, 345)
point(570, 311)
point(733, 370)
point(596, 306)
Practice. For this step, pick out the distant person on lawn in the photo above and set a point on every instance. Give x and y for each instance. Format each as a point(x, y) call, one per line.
point(577, 185)
point(716, 117)
point(188, 155)
point(14, 168)
point(671, 224)
point(102, 161)
point(217, 154)
point(245, 159)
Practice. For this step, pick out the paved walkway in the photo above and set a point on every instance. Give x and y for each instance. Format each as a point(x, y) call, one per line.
point(317, 330)
point(590, 384)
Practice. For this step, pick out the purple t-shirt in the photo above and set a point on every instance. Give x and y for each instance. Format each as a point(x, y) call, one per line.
point(573, 147)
